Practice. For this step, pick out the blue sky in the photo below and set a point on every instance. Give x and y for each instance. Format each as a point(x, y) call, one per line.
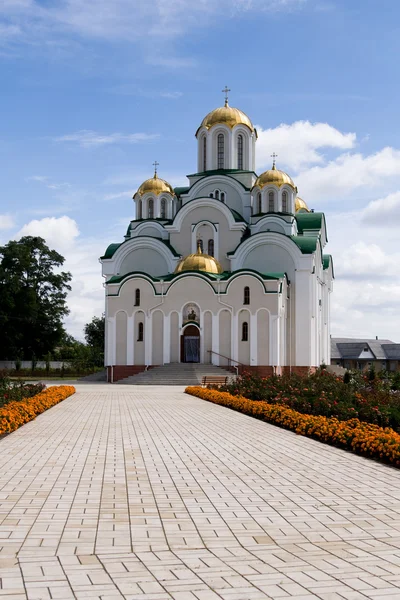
point(93, 91)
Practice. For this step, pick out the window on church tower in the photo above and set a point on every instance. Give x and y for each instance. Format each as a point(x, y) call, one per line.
point(284, 202)
point(271, 202)
point(240, 152)
point(245, 332)
point(217, 194)
point(139, 209)
point(137, 297)
point(211, 195)
point(221, 150)
point(140, 332)
point(211, 247)
point(222, 196)
point(151, 209)
point(246, 295)
point(163, 212)
point(259, 203)
point(204, 153)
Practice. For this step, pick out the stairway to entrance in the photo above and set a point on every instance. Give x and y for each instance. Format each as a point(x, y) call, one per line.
point(175, 374)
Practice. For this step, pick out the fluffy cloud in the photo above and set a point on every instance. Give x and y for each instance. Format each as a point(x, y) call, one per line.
point(366, 261)
point(59, 233)
point(383, 212)
point(6, 222)
point(298, 145)
point(91, 139)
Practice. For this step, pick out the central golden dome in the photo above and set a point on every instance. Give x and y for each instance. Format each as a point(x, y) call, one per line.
point(274, 177)
point(199, 262)
point(155, 185)
point(226, 115)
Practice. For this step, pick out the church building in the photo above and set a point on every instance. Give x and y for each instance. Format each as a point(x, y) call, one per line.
point(228, 270)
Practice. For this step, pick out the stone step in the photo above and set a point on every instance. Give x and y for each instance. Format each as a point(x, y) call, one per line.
point(175, 374)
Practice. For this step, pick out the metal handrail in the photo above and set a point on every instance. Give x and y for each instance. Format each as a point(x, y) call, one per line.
point(230, 360)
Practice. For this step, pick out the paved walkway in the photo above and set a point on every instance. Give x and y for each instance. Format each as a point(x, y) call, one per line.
point(124, 492)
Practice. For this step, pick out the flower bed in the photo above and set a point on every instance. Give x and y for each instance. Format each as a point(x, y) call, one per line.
point(363, 438)
point(16, 413)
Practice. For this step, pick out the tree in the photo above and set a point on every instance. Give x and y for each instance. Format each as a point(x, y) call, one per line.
point(33, 294)
point(94, 336)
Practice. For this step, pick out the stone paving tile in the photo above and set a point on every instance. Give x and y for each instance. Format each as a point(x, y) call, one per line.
point(145, 493)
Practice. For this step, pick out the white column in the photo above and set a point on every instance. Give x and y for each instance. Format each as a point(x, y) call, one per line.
point(234, 336)
point(148, 337)
point(303, 313)
point(130, 341)
point(253, 340)
point(111, 339)
point(274, 341)
point(167, 340)
point(215, 339)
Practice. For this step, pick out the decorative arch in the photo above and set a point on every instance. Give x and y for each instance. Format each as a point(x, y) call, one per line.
point(144, 242)
point(266, 239)
point(202, 202)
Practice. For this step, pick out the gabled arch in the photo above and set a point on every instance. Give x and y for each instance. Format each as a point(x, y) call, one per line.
point(200, 203)
point(144, 242)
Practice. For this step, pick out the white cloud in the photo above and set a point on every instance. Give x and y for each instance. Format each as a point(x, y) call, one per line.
point(349, 172)
point(46, 181)
point(366, 260)
point(298, 145)
point(59, 233)
point(6, 222)
point(91, 139)
point(383, 212)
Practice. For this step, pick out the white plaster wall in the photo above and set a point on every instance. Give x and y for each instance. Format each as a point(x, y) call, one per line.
point(225, 324)
point(270, 258)
point(147, 260)
point(157, 338)
point(244, 347)
point(175, 338)
point(140, 347)
point(206, 334)
point(263, 337)
point(121, 339)
point(232, 197)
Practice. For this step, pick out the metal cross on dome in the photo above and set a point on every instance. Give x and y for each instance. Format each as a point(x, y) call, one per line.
point(274, 156)
point(155, 165)
point(225, 91)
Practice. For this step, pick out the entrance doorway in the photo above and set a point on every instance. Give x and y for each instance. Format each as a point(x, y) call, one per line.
point(190, 345)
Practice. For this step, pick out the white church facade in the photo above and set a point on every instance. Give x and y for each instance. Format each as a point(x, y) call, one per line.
point(227, 270)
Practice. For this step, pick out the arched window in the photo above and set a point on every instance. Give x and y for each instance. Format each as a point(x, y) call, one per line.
point(284, 201)
point(245, 332)
point(137, 297)
point(151, 209)
point(139, 209)
point(200, 244)
point(246, 295)
point(211, 247)
point(240, 151)
point(222, 196)
point(204, 153)
point(217, 194)
point(140, 332)
point(271, 202)
point(259, 203)
point(211, 195)
point(163, 211)
point(221, 150)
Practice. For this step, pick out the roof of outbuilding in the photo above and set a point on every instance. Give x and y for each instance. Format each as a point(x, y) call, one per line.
point(347, 348)
point(392, 351)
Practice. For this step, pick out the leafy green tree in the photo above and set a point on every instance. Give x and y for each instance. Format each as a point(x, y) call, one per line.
point(94, 336)
point(33, 293)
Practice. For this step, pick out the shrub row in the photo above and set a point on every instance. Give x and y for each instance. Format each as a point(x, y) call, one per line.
point(14, 414)
point(363, 438)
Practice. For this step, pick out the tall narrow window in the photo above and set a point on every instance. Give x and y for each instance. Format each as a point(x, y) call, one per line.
point(246, 295)
point(137, 297)
point(204, 153)
point(163, 211)
point(271, 202)
point(151, 209)
point(240, 151)
point(211, 247)
point(222, 196)
point(284, 202)
point(217, 194)
point(245, 332)
point(259, 204)
point(139, 209)
point(221, 150)
point(140, 332)
point(200, 244)
point(211, 195)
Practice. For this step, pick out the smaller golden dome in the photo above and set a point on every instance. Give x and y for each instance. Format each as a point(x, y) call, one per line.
point(226, 115)
point(300, 204)
point(199, 262)
point(155, 185)
point(274, 177)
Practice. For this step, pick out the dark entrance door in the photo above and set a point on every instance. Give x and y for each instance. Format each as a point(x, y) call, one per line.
point(190, 345)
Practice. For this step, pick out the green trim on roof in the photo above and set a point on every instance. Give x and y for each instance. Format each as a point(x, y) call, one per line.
point(307, 245)
point(326, 259)
point(111, 250)
point(307, 220)
point(224, 276)
point(238, 217)
point(157, 220)
point(181, 190)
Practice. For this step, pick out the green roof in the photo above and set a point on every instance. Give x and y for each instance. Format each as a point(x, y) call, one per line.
point(112, 248)
point(181, 190)
point(238, 218)
point(307, 245)
point(213, 276)
point(311, 220)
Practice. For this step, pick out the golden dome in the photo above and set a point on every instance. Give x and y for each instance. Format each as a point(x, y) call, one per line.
point(274, 177)
point(300, 204)
point(226, 115)
point(199, 262)
point(155, 185)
